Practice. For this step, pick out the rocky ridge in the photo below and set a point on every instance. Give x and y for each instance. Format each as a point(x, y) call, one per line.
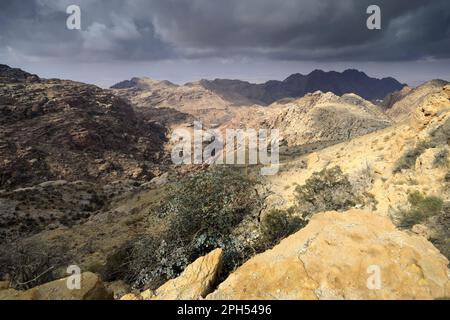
point(400, 105)
point(297, 85)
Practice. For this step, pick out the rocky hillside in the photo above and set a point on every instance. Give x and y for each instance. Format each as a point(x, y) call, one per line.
point(397, 177)
point(315, 120)
point(401, 104)
point(64, 130)
point(190, 100)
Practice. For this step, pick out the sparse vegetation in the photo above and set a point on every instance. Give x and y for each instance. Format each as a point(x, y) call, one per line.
point(421, 208)
point(326, 190)
point(408, 159)
point(209, 203)
point(438, 137)
point(364, 178)
point(441, 159)
point(30, 263)
point(279, 224)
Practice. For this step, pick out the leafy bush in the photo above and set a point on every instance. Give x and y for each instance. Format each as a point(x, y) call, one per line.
point(441, 158)
point(409, 158)
point(326, 190)
point(29, 264)
point(279, 224)
point(209, 204)
point(202, 212)
point(421, 208)
point(146, 262)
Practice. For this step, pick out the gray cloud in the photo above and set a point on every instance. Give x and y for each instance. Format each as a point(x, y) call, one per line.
point(278, 30)
point(255, 40)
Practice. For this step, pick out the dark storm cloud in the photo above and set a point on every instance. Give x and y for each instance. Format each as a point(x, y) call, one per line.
point(280, 30)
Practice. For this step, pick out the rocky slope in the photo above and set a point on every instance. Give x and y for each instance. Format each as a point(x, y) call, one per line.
point(337, 254)
point(322, 118)
point(316, 120)
point(400, 105)
point(190, 101)
point(325, 117)
point(64, 130)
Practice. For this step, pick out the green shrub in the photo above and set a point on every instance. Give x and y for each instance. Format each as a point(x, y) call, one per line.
point(441, 159)
point(209, 203)
point(202, 211)
point(279, 224)
point(421, 208)
point(409, 158)
point(327, 190)
point(153, 261)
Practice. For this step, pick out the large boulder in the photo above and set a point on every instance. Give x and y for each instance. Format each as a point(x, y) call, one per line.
point(92, 288)
point(196, 282)
point(352, 255)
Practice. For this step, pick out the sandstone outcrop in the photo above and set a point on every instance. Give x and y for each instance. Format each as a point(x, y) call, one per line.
point(197, 281)
point(401, 105)
point(334, 257)
point(92, 288)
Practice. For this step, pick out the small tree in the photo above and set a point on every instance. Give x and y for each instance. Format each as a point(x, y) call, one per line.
point(326, 190)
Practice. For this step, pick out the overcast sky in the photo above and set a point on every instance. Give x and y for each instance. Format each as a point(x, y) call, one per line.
point(255, 40)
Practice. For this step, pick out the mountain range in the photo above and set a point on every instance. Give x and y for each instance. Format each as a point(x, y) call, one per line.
point(296, 85)
point(86, 178)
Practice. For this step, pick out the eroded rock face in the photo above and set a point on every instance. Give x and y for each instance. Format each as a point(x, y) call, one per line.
point(197, 281)
point(92, 288)
point(434, 107)
point(400, 105)
point(334, 258)
point(65, 130)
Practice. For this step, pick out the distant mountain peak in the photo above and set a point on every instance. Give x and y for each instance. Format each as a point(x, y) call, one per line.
point(294, 86)
point(140, 83)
